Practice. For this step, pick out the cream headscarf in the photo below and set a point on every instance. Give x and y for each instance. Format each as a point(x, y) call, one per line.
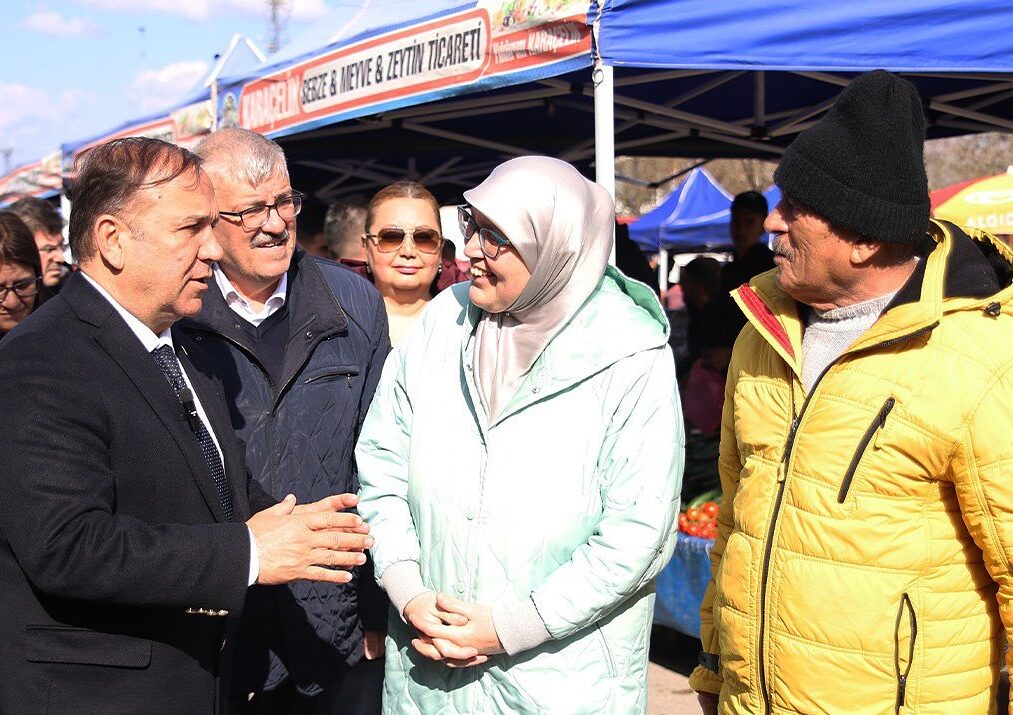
point(561, 225)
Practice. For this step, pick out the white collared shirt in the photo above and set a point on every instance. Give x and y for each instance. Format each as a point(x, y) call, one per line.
point(150, 341)
point(241, 306)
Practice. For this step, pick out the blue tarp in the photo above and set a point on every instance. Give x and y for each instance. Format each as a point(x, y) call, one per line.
point(693, 217)
point(854, 36)
point(681, 585)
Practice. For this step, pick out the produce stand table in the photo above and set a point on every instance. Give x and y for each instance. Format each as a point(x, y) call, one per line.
point(681, 585)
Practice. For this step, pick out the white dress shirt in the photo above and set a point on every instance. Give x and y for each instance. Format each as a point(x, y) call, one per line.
point(150, 341)
point(241, 306)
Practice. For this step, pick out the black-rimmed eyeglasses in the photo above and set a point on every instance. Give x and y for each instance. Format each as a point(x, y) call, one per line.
point(489, 240)
point(24, 288)
point(288, 207)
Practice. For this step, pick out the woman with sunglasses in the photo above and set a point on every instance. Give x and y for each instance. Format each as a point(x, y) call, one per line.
point(521, 570)
point(403, 241)
point(20, 272)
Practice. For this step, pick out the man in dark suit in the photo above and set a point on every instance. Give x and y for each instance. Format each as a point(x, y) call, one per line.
point(124, 556)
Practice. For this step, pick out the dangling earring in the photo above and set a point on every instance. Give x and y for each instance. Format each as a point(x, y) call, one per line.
point(439, 269)
point(369, 270)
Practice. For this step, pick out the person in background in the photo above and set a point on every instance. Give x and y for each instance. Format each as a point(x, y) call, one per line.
point(403, 243)
point(21, 274)
point(450, 273)
point(752, 255)
point(709, 335)
point(709, 339)
point(46, 225)
point(865, 537)
point(298, 343)
point(631, 260)
point(344, 225)
point(312, 238)
point(531, 553)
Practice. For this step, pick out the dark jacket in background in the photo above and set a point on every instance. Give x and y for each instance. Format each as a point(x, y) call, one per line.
point(300, 434)
point(632, 261)
point(112, 533)
point(758, 259)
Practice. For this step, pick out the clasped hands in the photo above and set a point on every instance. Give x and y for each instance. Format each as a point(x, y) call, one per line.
point(454, 632)
point(315, 541)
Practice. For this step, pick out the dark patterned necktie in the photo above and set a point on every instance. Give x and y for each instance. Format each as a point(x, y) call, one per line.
point(166, 359)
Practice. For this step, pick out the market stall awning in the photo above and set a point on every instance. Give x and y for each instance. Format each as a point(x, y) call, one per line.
point(40, 179)
point(441, 50)
point(985, 203)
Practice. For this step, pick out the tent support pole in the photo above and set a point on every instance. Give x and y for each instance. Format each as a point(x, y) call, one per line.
point(604, 132)
point(663, 270)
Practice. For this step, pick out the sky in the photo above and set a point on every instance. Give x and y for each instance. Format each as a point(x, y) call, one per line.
point(71, 69)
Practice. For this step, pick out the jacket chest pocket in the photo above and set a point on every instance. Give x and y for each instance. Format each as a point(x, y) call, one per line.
point(872, 431)
point(332, 374)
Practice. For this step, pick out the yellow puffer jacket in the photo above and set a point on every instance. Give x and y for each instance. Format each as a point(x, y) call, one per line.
point(863, 563)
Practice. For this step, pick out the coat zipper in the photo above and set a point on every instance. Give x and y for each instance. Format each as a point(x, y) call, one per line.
point(782, 480)
point(902, 678)
point(877, 424)
point(347, 374)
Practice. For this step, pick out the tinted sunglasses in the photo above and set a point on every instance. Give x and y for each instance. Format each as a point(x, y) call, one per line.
point(388, 240)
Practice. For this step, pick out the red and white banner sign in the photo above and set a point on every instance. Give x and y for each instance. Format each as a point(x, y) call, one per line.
point(455, 50)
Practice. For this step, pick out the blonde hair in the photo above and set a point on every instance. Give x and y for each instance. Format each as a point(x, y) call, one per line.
point(404, 189)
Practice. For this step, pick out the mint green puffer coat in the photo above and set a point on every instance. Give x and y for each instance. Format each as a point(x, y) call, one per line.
point(568, 499)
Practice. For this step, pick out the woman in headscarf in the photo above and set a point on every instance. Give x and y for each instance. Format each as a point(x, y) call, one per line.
point(521, 571)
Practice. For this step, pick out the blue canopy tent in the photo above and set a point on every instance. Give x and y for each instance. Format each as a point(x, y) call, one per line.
point(694, 217)
point(668, 78)
point(717, 79)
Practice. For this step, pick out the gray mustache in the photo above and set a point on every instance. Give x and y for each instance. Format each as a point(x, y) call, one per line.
point(265, 238)
point(780, 249)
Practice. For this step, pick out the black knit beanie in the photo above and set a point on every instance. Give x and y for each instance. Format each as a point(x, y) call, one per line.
point(861, 166)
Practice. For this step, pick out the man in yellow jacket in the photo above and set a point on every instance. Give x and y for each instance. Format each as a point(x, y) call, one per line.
point(866, 531)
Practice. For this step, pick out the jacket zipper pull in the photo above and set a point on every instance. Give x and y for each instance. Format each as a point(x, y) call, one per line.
point(883, 414)
point(901, 691)
point(782, 473)
point(348, 378)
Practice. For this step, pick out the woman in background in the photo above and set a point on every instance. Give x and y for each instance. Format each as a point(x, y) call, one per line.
point(403, 242)
point(20, 272)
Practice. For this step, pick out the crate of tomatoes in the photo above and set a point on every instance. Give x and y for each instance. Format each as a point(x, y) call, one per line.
point(700, 517)
point(682, 583)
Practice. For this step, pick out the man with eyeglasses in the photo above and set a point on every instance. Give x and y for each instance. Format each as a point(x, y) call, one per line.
point(299, 343)
point(46, 226)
